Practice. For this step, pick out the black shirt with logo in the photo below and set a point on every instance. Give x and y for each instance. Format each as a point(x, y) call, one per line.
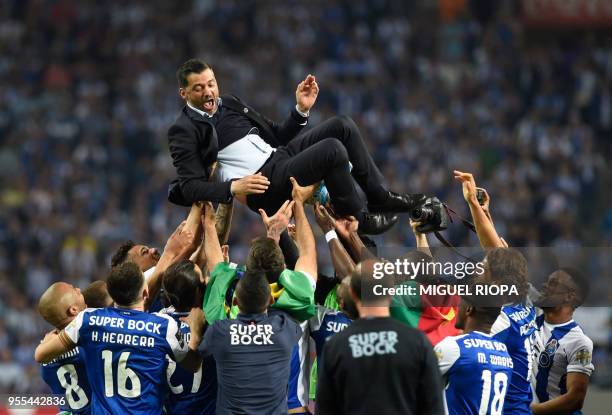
point(253, 356)
point(379, 366)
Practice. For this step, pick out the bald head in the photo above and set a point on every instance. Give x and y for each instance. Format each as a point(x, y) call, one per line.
point(60, 303)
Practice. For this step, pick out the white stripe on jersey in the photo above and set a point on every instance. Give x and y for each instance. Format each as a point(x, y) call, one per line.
point(303, 386)
point(177, 343)
point(448, 352)
point(72, 329)
point(572, 352)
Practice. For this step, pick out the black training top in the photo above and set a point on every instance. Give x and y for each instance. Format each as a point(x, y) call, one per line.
point(379, 366)
point(253, 355)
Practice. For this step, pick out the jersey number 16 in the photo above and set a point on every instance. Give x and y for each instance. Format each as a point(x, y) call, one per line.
point(123, 374)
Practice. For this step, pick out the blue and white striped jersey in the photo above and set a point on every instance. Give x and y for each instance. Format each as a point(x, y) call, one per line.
point(560, 349)
point(516, 327)
point(477, 370)
point(125, 354)
point(66, 375)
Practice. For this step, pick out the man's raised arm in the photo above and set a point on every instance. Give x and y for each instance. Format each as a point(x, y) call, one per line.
point(487, 235)
point(182, 243)
point(307, 262)
point(342, 261)
point(347, 229)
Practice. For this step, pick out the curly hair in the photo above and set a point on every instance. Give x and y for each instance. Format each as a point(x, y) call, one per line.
point(121, 254)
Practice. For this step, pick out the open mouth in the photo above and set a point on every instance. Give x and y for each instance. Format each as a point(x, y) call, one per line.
point(209, 105)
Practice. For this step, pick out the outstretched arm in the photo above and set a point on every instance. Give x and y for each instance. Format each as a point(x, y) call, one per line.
point(347, 229)
point(212, 247)
point(487, 235)
point(180, 245)
point(421, 238)
point(342, 261)
point(223, 220)
point(307, 262)
point(276, 224)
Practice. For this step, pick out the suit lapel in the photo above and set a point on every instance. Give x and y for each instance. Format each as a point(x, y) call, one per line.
point(195, 116)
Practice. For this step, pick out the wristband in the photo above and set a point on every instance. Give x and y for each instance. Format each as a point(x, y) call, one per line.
point(331, 235)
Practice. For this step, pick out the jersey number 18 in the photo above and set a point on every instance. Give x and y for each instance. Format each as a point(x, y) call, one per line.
point(500, 383)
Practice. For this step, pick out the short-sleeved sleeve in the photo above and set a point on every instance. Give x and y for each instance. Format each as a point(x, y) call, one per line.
point(579, 358)
point(447, 352)
point(73, 329)
point(501, 326)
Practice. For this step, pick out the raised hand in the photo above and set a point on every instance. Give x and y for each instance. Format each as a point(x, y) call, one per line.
point(306, 93)
point(277, 223)
point(346, 226)
point(469, 185)
point(325, 221)
point(300, 193)
point(180, 241)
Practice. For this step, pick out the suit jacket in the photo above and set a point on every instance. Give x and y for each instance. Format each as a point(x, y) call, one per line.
point(193, 145)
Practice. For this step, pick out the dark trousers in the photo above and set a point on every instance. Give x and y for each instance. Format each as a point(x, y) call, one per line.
point(323, 153)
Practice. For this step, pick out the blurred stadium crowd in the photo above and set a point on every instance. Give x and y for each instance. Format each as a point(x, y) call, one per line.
point(87, 91)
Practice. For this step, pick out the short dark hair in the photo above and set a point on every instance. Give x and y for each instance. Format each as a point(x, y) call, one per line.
point(189, 67)
point(121, 254)
point(484, 315)
point(582, 283)
point(363, 282)
point(181, 286)
point(253, 292)
point(124, 283)
point(509, 266)
point(266, 256)
point(96, 295)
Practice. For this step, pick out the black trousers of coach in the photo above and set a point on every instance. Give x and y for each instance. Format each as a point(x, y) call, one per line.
point(323, 153)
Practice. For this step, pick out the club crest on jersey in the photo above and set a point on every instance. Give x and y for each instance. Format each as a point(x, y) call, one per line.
point(547, 356)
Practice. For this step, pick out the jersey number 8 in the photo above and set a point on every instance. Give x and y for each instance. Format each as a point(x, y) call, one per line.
point(72, 387)
point(123, 374)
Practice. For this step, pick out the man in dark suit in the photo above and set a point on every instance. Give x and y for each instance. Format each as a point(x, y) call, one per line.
point(256, 156)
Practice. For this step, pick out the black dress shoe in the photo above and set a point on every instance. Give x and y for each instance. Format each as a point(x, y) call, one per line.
point(397, 202)
point(376, 223)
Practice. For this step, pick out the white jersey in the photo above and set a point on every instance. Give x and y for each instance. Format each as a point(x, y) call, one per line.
point(560, 349)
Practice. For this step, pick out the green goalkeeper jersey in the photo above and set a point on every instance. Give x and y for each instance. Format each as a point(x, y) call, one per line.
point(293, 293)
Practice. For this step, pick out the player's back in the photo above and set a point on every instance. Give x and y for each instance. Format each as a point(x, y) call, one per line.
point(66, 375)
point(560, 349)
point(477, 369)
point(252, 354)
point(125, 352)
point(325, 324)
point(515, 327)
point(191, 393)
